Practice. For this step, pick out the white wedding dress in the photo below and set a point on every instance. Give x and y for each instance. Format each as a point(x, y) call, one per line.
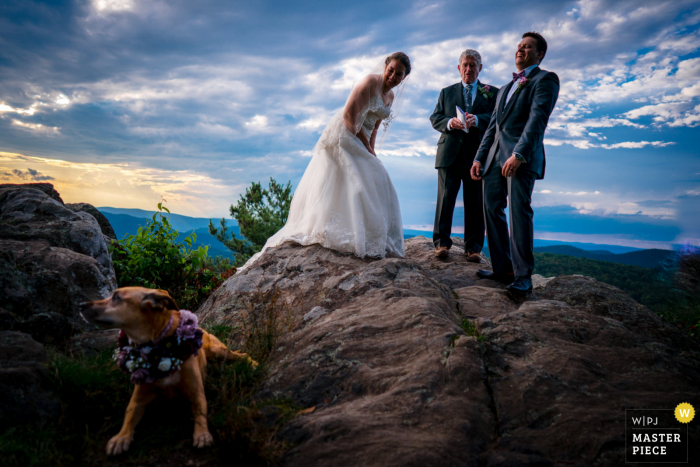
point(345, 200)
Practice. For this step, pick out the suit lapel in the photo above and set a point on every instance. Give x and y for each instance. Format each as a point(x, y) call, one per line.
point(460, 95)
point(502, 102)
point(511, 103)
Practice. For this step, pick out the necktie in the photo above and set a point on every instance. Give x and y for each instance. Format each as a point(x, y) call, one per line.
point(467, 90)
point(518, 76)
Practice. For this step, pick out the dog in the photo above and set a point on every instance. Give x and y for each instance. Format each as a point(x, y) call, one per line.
point(147, 318)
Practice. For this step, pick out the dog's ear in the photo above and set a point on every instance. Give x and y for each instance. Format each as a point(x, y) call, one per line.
point(159, 300)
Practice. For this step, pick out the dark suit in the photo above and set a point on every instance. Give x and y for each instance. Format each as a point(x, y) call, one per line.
point(455, 154)
point(515, 127)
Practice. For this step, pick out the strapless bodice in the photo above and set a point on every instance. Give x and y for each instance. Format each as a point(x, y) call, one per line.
point(376, 111)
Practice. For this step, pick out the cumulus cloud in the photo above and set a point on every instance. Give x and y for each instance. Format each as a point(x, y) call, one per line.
point(28, 175)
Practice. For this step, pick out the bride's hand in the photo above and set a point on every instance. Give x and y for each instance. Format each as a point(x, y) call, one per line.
point(371, 151)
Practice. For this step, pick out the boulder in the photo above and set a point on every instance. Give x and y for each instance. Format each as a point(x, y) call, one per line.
point(414, 361)
point(26, 395)
point(93, 342)
point(51, 259)
point(46, 188)
point(105, 226)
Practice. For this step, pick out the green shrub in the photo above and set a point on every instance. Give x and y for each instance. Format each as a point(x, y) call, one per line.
point(154, 258)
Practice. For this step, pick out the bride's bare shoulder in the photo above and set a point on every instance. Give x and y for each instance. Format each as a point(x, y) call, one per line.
point(369, 82)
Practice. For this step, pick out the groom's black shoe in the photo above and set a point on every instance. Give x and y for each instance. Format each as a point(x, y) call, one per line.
point(521, 286)
point(501, 277)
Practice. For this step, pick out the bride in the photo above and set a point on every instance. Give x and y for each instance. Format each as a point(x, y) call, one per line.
point(345, 200)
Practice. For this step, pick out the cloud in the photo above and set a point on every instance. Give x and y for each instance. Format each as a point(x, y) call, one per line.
point(30, 174)
point(568, 219)
point(637, 144)
point(37, 127)
point(100, 184)
point(586, 144)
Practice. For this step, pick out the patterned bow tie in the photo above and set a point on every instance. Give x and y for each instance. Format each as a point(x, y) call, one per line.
point(518, 76)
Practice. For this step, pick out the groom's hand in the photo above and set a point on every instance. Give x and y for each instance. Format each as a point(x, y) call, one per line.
point(510, 166)
point(476, 171)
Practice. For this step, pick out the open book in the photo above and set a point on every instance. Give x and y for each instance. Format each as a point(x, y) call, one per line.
point(462, 118)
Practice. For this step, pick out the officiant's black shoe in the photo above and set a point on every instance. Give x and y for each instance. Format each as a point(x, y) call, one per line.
point(501, 277)
point(521, 286)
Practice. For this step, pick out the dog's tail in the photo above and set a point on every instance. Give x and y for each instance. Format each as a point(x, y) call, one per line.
point(214, 348)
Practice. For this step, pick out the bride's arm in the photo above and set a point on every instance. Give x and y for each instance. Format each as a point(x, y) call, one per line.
point(374, 136)
point(369, 144)
point(357, 101)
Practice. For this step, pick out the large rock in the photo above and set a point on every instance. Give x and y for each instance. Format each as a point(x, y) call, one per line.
point(51, 258)
point(379, 349)
point(105, 226)
point(26, 395)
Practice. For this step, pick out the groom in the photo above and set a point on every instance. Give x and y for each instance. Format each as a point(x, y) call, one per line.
point(455, 153)
point(512, 157)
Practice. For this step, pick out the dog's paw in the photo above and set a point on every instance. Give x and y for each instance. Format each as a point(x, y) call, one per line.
point(118, 444)
point(203, 439)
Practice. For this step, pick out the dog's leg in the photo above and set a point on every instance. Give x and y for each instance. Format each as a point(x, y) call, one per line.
point(192, 386)
point(214, 348)
point(142, 396)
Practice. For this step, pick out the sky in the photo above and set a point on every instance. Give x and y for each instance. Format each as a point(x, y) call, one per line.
point(123, 102)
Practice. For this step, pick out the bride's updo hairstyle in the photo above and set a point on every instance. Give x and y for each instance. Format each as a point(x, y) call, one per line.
point(401, 58)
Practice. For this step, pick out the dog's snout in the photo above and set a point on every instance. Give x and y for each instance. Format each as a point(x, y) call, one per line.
point(86, 309)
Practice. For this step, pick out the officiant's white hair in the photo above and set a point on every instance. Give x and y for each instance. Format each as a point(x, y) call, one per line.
point(471, 53)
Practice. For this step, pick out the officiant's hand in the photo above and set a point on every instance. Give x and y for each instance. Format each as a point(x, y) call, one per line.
point(470, 120)
point(476, 171)
point(455, 124)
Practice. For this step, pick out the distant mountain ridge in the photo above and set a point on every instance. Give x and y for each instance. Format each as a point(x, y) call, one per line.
point(600, 248)
point(178, 221)
point(127, 221)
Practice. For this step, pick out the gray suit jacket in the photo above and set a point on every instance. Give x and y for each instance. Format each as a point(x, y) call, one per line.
point(451, 141)
point(519, 125)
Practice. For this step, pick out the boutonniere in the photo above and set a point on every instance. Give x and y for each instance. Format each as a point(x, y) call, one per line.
point(484, 90)
point(522, 83)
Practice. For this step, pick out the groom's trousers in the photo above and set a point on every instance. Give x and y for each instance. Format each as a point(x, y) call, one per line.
point(449, 181)
point(510, 244)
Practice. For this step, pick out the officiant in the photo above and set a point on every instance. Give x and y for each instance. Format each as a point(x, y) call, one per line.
point(462, 114)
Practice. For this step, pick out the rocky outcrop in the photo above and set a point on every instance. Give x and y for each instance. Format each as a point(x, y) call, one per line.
point(51, 259)
point(105, 226)
point(415, 361)
point(25, 391)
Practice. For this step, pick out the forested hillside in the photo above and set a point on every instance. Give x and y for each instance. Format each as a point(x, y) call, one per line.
point(650, 258)
point(642, 284)
point(126, 224)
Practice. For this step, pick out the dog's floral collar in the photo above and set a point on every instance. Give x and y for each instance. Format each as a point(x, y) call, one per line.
point(158, 359)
